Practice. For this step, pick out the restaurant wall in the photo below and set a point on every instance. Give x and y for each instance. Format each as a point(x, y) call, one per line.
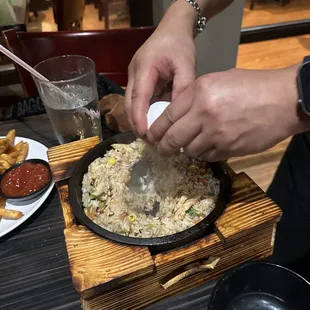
point(217, 46)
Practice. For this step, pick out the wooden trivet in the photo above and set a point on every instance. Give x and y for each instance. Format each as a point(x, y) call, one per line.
point(110, 275)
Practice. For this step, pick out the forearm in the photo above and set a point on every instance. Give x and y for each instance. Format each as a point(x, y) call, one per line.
point(182, 15)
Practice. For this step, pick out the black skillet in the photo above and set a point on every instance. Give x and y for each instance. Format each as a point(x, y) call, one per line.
point(157, 244)
point(260, 286)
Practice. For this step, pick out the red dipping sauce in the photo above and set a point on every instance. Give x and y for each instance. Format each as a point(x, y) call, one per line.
point(25, 179)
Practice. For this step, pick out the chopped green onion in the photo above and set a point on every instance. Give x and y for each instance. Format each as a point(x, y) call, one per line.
point(192, 212)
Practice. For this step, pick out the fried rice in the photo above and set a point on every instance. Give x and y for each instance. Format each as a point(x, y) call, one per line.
point(181, 193)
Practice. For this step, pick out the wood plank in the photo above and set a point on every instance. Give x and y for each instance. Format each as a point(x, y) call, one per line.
point(250, 207)
point(145, 291)
point(63, 157)
point(95, 263)
point(65, 205)
point(98, 264)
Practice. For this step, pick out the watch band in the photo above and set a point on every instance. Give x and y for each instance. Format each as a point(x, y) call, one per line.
point(306, 59)
point(302, 85)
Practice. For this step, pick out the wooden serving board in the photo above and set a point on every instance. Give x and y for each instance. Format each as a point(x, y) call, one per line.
point(109, 275)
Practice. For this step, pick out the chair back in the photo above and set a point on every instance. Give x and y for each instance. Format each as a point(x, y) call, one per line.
point(111, 50)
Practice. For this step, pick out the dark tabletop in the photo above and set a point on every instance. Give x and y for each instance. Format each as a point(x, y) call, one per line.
point(34, 270)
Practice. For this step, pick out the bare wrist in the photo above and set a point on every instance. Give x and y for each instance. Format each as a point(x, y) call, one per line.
point(181, 15)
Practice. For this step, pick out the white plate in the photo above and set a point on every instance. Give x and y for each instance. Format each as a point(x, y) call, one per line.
point(36, 150)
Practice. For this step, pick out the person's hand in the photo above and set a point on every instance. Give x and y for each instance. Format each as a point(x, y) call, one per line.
point(231, 113)
point(168, 55)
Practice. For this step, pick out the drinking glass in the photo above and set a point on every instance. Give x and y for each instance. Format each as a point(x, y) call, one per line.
point(70, 97)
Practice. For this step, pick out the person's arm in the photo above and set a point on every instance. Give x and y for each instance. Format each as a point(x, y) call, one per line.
point(231, 113)
point(209, 8)
point(168, 55)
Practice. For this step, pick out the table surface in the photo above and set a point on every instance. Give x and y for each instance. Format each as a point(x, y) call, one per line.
point(34, 269)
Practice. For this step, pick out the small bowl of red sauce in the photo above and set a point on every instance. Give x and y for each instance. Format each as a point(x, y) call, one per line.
point(25, 180)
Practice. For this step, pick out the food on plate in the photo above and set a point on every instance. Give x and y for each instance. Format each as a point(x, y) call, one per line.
point(11, 214)
point(4, 143)
point(23, 151)
point(11, 154)
point(8, 159)
point(25, 179)
point(181, 193)
point(11, 136)
point(8, 214)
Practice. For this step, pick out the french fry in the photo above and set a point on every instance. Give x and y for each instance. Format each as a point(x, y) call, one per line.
point(4, 164)
point(23, 151)
point(10, 149)
point(11, 136)
point(8, 158)
point(11, 214)
point(4, 143)
point(13, 154)
point(13, 150)
point(18, 146)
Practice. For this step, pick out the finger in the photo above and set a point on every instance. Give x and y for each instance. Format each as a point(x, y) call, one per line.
point(175, 111)
point(128, 102)
point(179, 135)
point(198, 146)
point(142, 91)
point(183, 77)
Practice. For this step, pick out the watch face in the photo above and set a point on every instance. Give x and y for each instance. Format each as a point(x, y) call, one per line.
point(304, 81)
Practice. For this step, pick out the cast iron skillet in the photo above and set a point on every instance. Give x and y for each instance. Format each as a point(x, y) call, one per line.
point(260, 286)
point(158, 244)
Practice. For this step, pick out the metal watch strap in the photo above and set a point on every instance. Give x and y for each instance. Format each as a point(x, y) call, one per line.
point(202, 21)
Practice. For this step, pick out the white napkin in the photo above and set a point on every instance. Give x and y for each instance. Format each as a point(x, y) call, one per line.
point(155, 110)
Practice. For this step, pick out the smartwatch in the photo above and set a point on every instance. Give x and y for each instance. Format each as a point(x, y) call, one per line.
point(303, 83)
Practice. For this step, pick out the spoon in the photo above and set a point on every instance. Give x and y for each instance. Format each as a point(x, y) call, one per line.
point(139, 176)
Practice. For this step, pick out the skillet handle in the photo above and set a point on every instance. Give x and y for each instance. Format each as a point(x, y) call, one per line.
point(188, 270)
